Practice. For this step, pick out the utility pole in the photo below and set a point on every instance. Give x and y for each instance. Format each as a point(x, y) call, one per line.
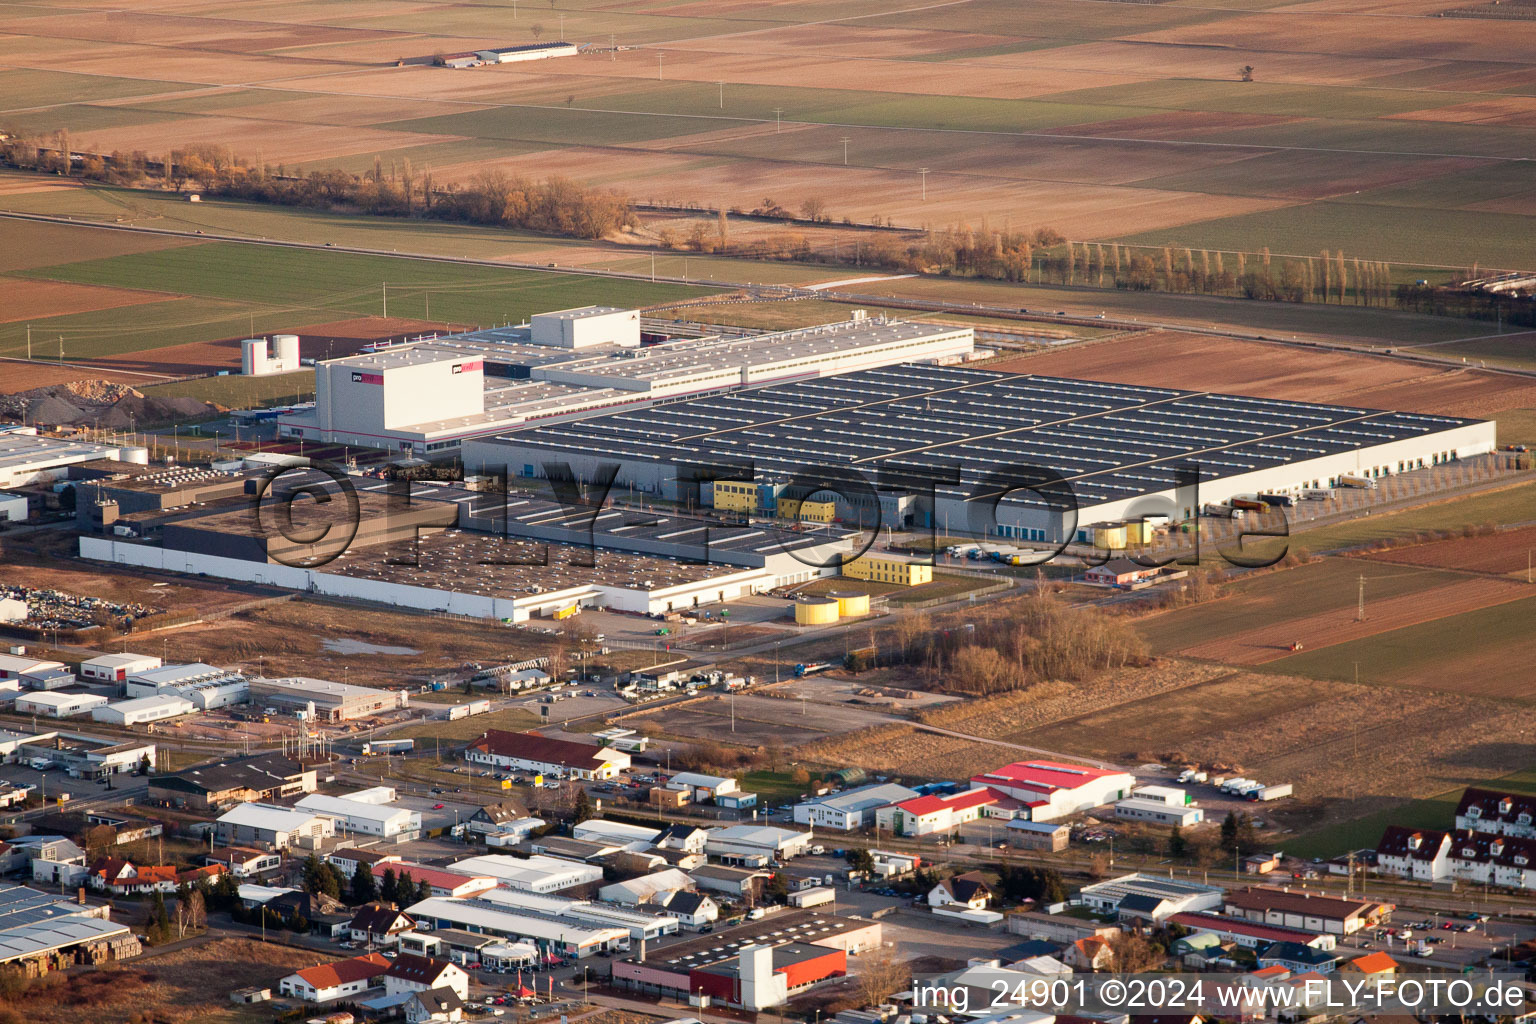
point(845, 140)
point(722, 95)
point(658, 66)
point(924, 172)
point(778, 114)
point(1360, 610)
point(29, 341)
point(386, 300)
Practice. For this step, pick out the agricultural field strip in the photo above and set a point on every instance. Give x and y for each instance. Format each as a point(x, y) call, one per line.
point(1271, 642)
point(297, 85)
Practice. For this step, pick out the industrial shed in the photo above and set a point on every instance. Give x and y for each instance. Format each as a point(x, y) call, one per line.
point(143, 710)
point(48, 704)
point(1120, 451)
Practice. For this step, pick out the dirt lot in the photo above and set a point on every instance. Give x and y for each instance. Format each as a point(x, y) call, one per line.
point(316, 341)
point(1500, 554)
point(1177, 360)
point(175, 984)
point(19, 375)
point(760, 720)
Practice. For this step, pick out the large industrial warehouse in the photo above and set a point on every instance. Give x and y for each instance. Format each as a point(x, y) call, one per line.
point(412, 557)
point(427, 396)
point(1120, 451)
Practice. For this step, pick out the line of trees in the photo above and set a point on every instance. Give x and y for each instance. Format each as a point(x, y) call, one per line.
point(493, 197)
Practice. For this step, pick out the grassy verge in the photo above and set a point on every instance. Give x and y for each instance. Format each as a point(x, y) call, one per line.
point(1514, 504)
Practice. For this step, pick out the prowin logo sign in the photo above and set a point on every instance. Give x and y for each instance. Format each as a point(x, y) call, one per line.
point(367, 378)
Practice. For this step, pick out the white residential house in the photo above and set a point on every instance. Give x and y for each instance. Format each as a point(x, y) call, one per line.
point(688, 838)
point(1420, 854)
point(967, 890)
point(1502, 860)
point(340, 980)
point(411, 973)
point(693, 910)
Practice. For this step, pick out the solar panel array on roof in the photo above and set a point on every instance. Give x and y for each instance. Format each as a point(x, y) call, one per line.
point(1110, 441)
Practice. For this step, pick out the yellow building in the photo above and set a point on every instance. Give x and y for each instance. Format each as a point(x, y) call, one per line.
point(736, 496)
point(850, 602)
point(1122, 535)
point(815, 611)
point(805, 510)
point(889, 568)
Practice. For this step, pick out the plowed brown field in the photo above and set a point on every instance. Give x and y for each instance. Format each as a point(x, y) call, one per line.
point(1499, 554)
point(1202, 363)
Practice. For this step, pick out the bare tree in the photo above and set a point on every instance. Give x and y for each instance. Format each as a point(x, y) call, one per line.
point(191, 913)
point(1134, 954)
point(1246, 72)
point(880, 973)
point(537, 30)
point(814, 209)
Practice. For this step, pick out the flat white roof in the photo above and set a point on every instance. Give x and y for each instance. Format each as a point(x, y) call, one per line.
point(267, 817)
point(335, 806)
point(528, 871)
point(487, 916)
point(159, 700)
point(54, 699)
point(123, 660)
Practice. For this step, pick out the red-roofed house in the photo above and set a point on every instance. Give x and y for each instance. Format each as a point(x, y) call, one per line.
point(925, 815)
point(1090, 953)
point(118, 876)
point(444, 883)
point(1051, 789)
point(330, 982)
point(1379, 964)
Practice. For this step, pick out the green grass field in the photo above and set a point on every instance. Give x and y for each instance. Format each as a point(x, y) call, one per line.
point(1482, 653)
point(1509, 505)
point(1290, 593)
point(237, 392)
point(228, 283)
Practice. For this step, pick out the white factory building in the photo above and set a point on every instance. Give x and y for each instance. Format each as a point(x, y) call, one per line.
point(28, 458)
point(527, 51)
point(852, 808)
point(273, 826)
point(534, 874)
point(430, 395)
point(262, 358)
point(551, 933)
point(13, 508)
point(365, 817)
point(51, 704)
point(116, 668)
point(143, 710)
point(205, 686)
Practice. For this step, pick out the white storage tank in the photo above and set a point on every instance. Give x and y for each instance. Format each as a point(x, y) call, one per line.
point(286, 348)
